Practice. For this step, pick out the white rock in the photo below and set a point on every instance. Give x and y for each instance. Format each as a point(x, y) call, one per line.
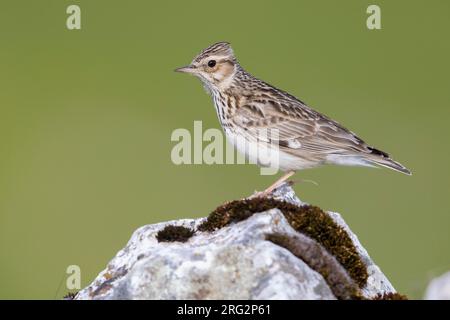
point(439, 288)
point(234, 262)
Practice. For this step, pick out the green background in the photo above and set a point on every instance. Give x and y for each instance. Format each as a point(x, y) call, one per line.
point(86, 118)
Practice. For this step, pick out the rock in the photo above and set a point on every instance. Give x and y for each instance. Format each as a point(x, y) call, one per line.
point(260, 257)
point(439, 288)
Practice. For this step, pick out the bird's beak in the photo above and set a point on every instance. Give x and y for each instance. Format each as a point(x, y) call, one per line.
point(187, 69)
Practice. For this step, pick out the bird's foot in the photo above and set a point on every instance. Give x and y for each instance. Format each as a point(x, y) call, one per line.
point(259, 194)
point(269, 191)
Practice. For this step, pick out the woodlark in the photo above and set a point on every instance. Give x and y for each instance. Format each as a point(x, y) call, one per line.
point(248, 107)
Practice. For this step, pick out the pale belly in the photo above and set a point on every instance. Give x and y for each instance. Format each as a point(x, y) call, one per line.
point(267, 155)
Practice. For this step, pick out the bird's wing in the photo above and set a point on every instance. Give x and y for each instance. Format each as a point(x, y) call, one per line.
point(297, 128)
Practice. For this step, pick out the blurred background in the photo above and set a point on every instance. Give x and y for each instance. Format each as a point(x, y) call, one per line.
point(86, 118)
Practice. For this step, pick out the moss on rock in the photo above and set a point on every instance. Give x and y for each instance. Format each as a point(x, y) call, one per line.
point(321, 261)
point(173, 233)
point(390, 296)
point(309, 220)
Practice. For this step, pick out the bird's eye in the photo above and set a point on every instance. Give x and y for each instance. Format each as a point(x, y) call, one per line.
point(211, 63)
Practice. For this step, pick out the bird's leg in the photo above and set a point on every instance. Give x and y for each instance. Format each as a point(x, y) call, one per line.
point(275, 185)
point(279, 182)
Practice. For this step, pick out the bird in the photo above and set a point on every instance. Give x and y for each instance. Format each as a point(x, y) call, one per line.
point(248, 108)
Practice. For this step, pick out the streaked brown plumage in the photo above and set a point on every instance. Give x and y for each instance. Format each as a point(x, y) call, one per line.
point(247, 106)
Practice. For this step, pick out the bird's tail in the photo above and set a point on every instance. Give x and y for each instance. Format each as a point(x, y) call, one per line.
point(381, 158)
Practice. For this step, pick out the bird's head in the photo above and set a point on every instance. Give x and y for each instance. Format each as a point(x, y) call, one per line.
point(215, 66)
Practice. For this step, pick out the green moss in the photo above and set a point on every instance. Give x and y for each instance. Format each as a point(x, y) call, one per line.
point(390, 296)
point(173, 233)
point(306, 219)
